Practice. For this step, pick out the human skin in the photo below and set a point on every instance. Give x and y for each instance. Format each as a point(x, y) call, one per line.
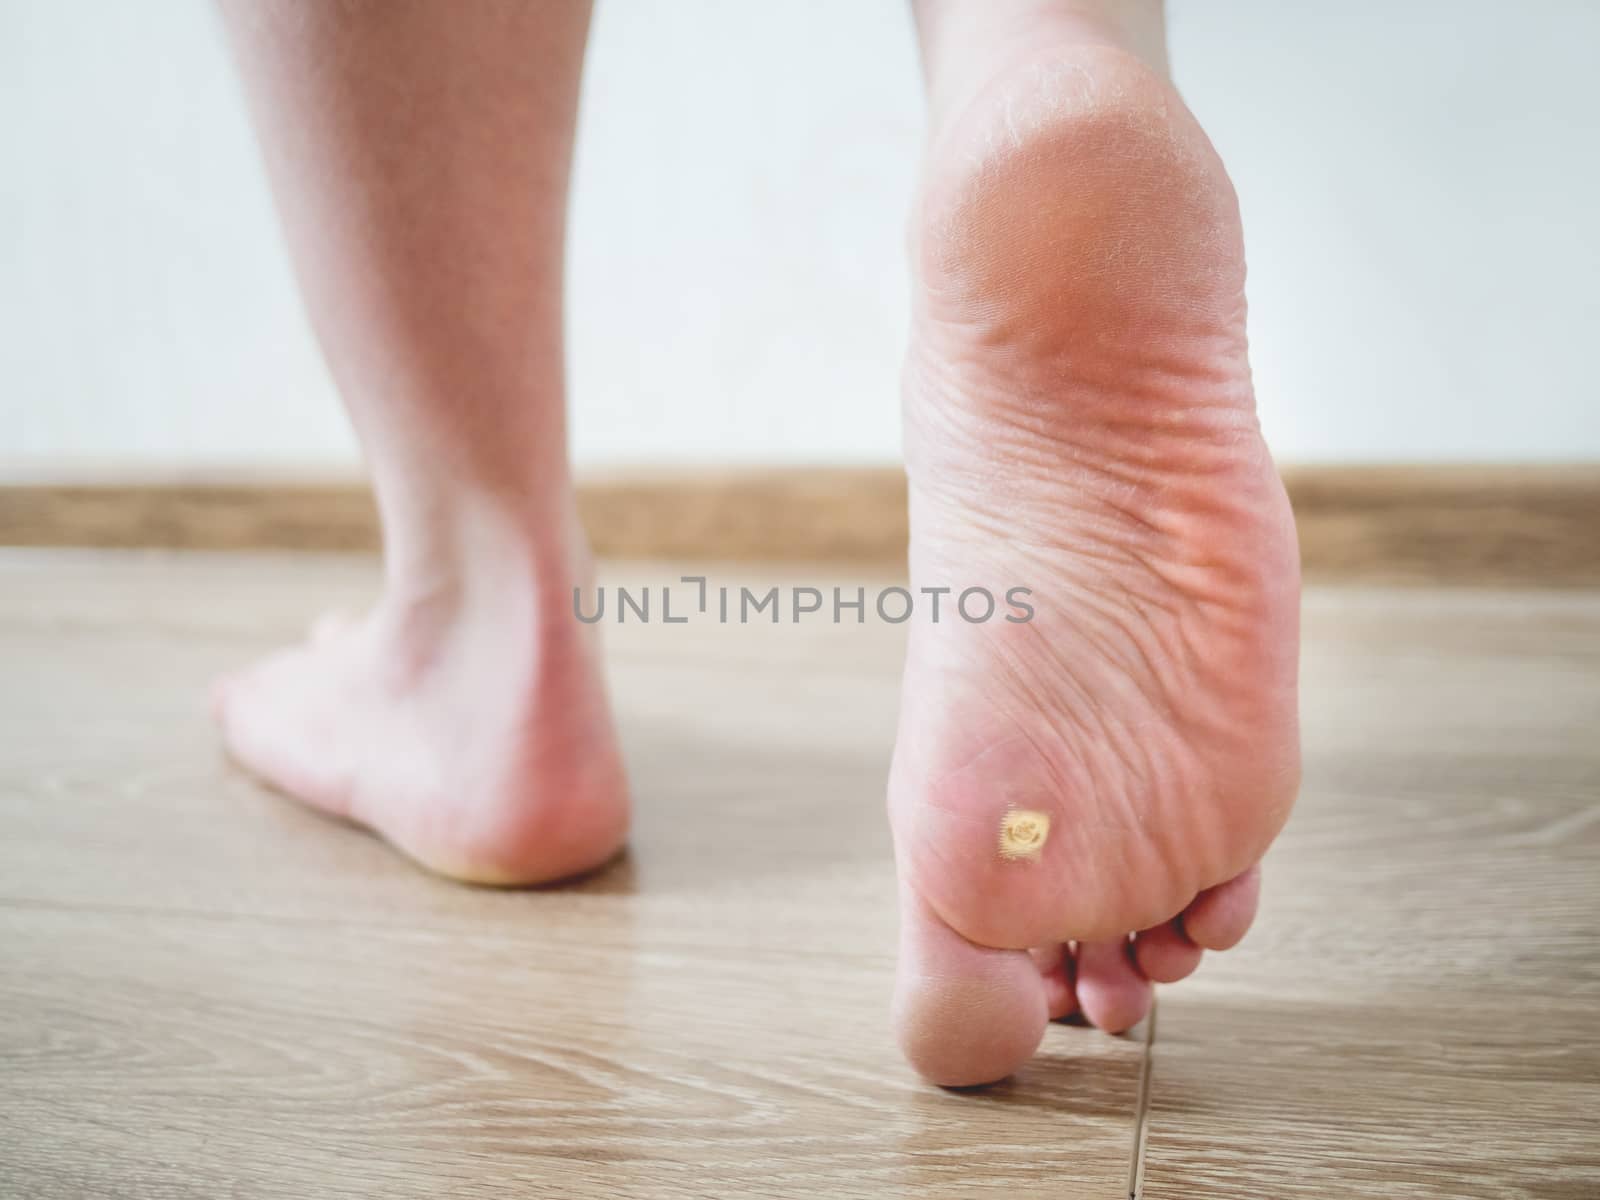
point(1079, 418)
point(419, 156)
point(1079, 801)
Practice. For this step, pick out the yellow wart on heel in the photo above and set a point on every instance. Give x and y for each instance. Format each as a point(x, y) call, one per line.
point(1022, 833)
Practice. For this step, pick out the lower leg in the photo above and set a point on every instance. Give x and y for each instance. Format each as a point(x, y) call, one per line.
point(419, 155)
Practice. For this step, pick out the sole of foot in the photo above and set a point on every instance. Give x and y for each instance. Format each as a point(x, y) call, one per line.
point(1079, 800)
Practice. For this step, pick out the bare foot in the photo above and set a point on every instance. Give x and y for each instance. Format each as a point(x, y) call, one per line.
point(464, 719)
point(419, 156)
point(1080, 422)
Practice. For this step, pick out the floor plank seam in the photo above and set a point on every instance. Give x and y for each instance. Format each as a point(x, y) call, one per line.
point(1141, 1107)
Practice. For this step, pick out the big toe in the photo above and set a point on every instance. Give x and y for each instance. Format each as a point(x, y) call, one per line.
point(964, 1014)
point(330, 626)
point(269, 727)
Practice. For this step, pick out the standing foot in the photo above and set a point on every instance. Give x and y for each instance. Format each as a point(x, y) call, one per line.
point(464, 719)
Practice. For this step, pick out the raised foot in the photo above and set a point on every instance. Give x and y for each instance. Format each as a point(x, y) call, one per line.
point(1080, 423)
point(470, 730)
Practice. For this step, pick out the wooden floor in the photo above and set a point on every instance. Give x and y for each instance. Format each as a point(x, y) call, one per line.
point(208, 992)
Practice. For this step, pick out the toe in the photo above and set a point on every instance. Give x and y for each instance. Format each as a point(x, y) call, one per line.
point(1164, 955)
point(964, 1014)
point(1055, 968)
point(1218, 917)
point(1112, 993)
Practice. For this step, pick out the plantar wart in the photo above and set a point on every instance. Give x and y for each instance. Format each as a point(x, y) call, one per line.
point(1022, 833)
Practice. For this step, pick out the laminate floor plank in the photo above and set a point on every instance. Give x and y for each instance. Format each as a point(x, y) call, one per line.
point(207, 991)
point(1417, 1012)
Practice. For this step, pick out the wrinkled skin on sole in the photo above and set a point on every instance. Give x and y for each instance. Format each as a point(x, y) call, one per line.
point(1080, 421)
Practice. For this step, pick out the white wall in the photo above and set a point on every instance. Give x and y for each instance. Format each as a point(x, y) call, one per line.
point(1421, 185)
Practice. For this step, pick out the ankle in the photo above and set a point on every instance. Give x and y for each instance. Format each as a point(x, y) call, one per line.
point(441, 514)
point(476, 560)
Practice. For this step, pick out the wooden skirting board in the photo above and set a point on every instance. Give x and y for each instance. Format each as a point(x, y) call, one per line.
point(1535, 525)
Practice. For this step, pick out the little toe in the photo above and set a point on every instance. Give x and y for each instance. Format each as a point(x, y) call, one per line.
point(1111, 992)
point(1218, 917)
point(1164, 954)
